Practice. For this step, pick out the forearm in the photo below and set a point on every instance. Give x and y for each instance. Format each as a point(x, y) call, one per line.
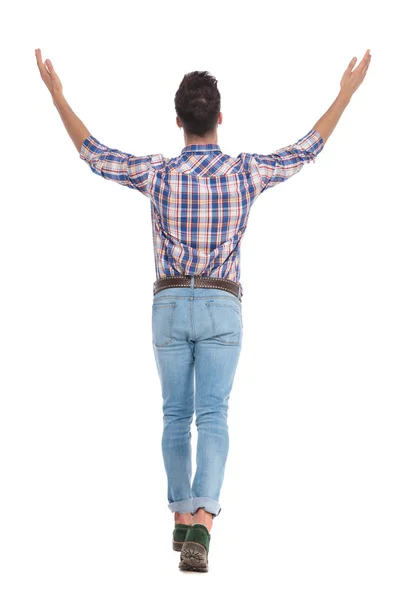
point(76, 129)
point(327, 123)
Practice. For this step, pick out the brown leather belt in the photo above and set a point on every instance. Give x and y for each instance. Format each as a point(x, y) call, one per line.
point(199, 282)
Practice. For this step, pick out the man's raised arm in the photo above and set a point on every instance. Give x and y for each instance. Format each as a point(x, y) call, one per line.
point(110, 163)
point(349, 83)
point(284, 163)
point(76, 129)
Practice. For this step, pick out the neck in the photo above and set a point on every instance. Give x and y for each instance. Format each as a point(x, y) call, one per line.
point(195, 139)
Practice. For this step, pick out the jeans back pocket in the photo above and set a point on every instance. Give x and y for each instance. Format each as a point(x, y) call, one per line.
point(226, 321)
point(162, 320)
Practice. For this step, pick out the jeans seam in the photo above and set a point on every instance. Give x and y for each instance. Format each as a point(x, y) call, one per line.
point(221, 298)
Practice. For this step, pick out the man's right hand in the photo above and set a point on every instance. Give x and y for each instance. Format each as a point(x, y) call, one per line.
point(351, 80)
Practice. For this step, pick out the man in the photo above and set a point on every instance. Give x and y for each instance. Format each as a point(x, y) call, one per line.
point(200, 204)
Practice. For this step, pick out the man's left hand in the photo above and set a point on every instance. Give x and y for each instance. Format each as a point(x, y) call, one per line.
point(49, 75)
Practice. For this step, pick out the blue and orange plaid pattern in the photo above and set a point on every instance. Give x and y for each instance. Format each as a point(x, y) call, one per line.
point(200, 200)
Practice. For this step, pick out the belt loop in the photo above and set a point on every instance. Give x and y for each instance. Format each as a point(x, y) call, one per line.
point(240, 293)
point(192, 282)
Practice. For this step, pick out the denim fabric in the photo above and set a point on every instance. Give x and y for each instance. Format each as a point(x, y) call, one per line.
point(197, 339)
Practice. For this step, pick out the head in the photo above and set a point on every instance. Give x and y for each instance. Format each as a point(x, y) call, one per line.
point(198, 108)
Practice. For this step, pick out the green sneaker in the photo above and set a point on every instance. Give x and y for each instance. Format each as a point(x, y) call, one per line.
point(194, 553)
point(178, 536)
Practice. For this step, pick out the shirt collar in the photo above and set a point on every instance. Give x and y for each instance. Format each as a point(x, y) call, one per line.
point(201, 149)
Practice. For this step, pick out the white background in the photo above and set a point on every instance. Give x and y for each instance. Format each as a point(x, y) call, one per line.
point(311, 493)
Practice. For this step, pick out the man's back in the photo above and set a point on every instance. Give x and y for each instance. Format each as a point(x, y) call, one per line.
point(201, 199)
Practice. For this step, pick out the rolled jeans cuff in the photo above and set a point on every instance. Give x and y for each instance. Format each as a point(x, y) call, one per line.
point(210, 505)
point(182, 506)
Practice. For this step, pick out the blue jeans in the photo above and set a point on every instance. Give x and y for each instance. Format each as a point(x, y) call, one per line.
point(197, 338)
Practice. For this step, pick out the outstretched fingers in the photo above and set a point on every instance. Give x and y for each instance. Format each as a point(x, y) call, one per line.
point(364, 63)
point(40, 61)
point(351, 64)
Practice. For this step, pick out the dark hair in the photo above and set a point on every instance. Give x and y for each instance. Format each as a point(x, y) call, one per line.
point(198, 102)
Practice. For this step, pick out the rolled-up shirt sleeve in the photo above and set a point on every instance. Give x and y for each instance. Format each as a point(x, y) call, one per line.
point(284, 163)
point(121, 167)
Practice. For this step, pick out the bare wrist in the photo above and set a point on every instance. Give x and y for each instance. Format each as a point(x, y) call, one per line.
point(59, 100)
point(344, 96)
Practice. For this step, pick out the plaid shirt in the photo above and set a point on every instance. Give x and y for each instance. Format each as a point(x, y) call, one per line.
point(200, 200)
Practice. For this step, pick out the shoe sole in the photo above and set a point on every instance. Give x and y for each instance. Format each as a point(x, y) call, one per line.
point(193, 557)
point(177, 545)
